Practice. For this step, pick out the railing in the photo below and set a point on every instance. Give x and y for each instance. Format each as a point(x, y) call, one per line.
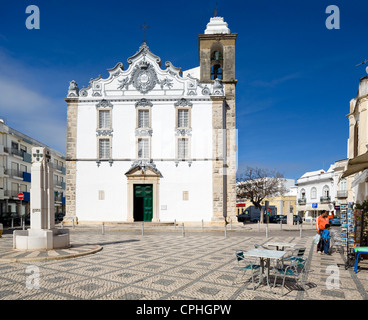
point(342, 194)
point(57, 167)
point(325, 199)
point(302, 201)
point(14, 173)
point(11, 193)
point(17, 152)
point(58, 183)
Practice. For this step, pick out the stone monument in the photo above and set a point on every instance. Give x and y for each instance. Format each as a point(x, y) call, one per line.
point(42, 234)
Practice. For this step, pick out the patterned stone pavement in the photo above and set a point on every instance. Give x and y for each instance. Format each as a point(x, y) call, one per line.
point(159, 265)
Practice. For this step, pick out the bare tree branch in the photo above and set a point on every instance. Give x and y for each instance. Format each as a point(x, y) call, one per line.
point(256, 184)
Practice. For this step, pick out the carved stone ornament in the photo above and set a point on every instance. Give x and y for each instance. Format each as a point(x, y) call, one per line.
point(143, 132)
point(104, 104)
point(144, 77)
point(183, 103)
point(218, 88)
point(183, 132)
point(104, 132)
point(73, 90)
point(143, 103)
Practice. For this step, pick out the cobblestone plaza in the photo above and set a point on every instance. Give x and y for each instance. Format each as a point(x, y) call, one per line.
point(165, 264)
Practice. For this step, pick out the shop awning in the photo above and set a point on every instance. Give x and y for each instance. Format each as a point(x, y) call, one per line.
point(356, 164)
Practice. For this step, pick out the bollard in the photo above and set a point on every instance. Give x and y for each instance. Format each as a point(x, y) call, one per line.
point(23, 223)
point(73, 223)
point(142, 228)
point(62, 225)
point(225, 230)
point(202, 225)
point(175, 223)
point(182, 229)
point(231, 224)
point(103, 227)
point(267, 230)
point(259, 225)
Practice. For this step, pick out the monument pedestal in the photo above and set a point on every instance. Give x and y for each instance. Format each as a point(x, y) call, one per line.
point(42, 235)
point(42, 239)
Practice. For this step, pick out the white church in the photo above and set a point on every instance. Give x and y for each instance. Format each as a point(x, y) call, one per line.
point(152, 143)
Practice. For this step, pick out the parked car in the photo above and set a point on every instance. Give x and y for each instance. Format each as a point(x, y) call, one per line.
point(335, 221)
point(296, 219)
point(255, 213)
point(243, 217)
point(276, 218)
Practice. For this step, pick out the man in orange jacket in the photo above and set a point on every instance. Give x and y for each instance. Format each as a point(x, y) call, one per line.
point(321, 222)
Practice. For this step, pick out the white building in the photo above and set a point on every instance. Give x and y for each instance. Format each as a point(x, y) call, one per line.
point(149, 144)
point(322, 190)
point(15, 173)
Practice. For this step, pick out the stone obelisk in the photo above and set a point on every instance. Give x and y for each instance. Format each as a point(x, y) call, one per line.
point(42, 234)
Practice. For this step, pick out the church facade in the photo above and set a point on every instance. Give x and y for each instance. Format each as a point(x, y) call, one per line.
point(151, 143)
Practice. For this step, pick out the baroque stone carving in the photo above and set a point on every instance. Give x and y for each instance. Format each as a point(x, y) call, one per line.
point(143, 103)
point(104, 132)
point(104, 104)
point(183, 103)
point(144, 77)
point(73, 90)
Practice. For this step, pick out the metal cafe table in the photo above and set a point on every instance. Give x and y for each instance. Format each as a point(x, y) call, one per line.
point(280, 245)
point(265, 257)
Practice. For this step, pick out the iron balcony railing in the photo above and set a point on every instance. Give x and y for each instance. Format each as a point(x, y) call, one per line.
point(17, 152)
point(302, 201)
point(11, 193)
point(14, 173)
point(325, 199)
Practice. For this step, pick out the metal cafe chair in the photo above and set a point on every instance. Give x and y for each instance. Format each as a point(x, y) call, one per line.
point(245, 264)
point(297, 270)
point(293, 255)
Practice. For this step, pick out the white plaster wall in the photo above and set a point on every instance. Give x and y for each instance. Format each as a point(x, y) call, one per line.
point(91, 179)
point(197, 179)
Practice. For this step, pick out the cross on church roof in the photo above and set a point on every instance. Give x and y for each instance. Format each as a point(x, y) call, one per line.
point(144, 28)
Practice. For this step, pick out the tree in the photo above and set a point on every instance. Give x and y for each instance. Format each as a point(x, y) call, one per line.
point(256, 184)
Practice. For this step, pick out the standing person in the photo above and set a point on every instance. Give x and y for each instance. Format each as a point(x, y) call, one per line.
point(321, 222)
point(326, 236)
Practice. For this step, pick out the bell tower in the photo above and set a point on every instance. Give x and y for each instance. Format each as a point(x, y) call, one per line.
point(217, 61)
point(217, 52)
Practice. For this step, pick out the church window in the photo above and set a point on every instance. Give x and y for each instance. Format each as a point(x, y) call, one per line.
point(183, 148)
point(143, 148)
point(104, 148)
point(143, 119)
point(183, 118)
point(104, 119)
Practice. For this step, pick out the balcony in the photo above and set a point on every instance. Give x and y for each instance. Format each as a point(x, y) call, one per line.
point(302, 201)
point(342, 194)
point(325, 199)
point(16, 152)
point(11, 193)
point(14, 173)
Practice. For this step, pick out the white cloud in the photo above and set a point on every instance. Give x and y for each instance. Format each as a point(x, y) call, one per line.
point(26, 109)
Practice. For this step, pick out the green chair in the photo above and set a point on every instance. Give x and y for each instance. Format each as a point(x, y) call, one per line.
point(297, 270)
point(245, 264)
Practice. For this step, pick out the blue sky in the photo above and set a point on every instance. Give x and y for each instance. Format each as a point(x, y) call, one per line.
point(295, 77)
